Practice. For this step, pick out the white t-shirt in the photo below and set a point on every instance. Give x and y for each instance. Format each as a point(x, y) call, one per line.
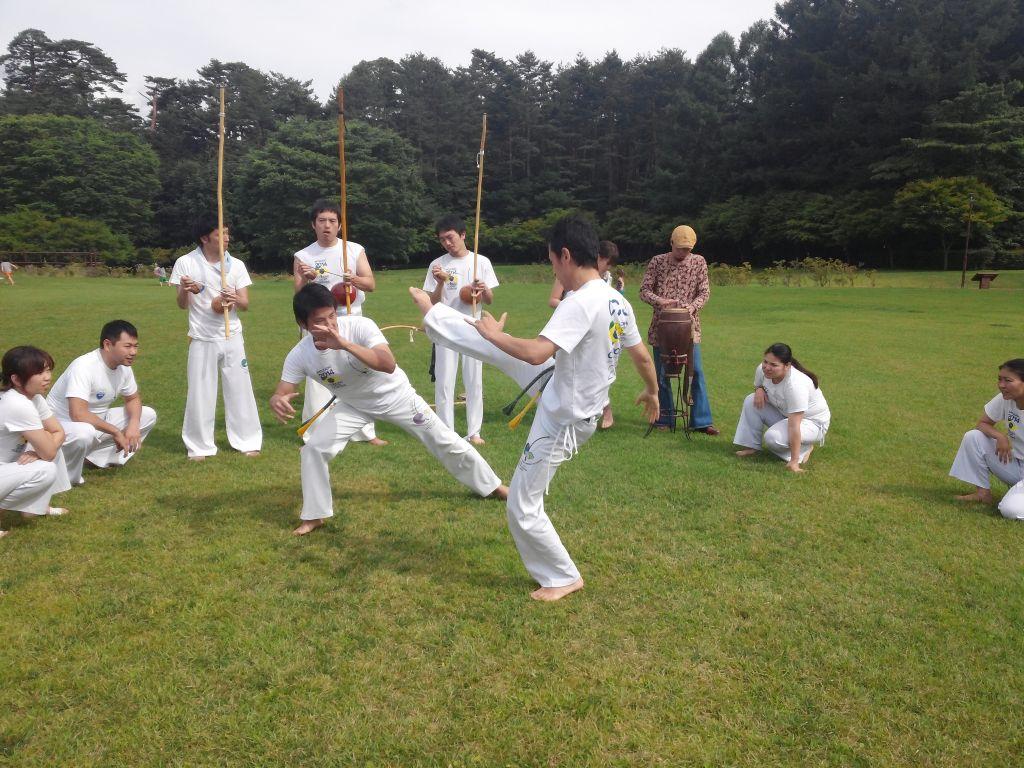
point(328, 260)
point(203, 323)
point(18, 414)
point(6, 266)
point(998, 410)
point(88, 378)
point(590, 327)
point(460, 274)
point(358, 386)
point(796, 393)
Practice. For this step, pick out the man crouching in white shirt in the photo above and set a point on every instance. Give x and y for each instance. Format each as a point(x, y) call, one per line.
point(586, 335)
point(82, 397)
point(350, 356)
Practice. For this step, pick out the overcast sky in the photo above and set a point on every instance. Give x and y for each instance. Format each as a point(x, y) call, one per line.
point(322, 41)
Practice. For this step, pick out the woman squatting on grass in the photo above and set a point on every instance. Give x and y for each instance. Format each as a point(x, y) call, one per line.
point(32, 467)
point(986, 451)
point(787, 401)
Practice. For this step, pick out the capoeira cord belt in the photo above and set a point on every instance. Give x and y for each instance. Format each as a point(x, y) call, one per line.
point(507, 410)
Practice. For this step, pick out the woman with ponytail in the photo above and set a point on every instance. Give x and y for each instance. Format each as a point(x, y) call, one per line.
point(986, 451)
point(786, 412)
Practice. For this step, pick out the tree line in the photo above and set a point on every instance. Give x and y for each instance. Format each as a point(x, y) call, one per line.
point(865, 130)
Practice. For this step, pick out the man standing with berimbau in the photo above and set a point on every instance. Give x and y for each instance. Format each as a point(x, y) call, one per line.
point(197, 277)
point(585, 336)
point(350, 356)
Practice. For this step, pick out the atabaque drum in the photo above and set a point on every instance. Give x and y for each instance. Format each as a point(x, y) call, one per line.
point(675, 340)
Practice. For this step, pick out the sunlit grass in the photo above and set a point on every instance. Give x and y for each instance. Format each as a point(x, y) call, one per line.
point(734, 614)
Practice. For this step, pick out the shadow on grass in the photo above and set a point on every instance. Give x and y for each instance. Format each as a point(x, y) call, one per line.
point(344, 549)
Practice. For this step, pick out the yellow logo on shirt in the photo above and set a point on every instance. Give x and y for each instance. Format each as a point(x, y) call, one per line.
point(615, 331)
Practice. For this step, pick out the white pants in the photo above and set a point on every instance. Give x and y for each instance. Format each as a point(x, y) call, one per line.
point(241, 418)
point(316, 397)
point(448, 329)
point(334, 430)
point(547, 447)
point(446, 366)
point(28, 487)
point(83, 441)
point(977, 458)
point(753, 422)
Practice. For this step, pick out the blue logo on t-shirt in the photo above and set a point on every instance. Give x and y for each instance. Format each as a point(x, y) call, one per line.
point(100, 395)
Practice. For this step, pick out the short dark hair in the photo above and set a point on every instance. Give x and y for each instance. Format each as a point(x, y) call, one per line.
point(203, 226)
point(450, 222)
point(577, 235)
point(112, 331)
point(608, 250)
point(23, 362)
point(1015, 366)
point(322, 205)
point(309, 298)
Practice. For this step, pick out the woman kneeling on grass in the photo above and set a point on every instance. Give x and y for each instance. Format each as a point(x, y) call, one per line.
point(32, 468)
point(985, 449)
point(787, 401)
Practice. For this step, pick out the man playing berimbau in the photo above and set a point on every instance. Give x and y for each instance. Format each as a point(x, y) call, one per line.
point(585, 335)
point(198, 281)
point(350, 356)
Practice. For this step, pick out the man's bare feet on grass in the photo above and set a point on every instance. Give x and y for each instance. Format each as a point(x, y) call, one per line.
point(981, 495)
point(197, 458)
point(251, 454)
point(421, 299)
point(501, 492)
point(307, 526)
point(607, 419)
point(550, 594)
point(747, 452)
point(477, 440)
point(377, 442)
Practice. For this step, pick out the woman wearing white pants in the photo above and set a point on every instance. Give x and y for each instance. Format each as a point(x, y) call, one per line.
point(786, 413)
point(986, 451)
point(32, 468)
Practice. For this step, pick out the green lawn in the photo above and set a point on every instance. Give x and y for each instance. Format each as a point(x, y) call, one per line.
point(734, 614)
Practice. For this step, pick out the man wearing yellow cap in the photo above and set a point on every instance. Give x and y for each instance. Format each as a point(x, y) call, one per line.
point(679, 278)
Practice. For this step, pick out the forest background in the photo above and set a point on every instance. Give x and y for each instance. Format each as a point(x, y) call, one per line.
point(866, 131)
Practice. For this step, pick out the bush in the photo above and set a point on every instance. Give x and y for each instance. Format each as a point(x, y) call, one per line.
point(724, 274)
point(28, 230)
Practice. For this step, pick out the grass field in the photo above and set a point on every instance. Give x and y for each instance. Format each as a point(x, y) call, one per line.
point(734, 614)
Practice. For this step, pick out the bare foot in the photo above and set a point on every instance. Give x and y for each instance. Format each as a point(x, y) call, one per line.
point(982, 495)
point(550, 594)
point(57, 511)
point(747, 452)
point(378, 442)
point(607, 420)
point(308, 526)
point(197, 458)
point(807, 458)
point(501, 492)
point(477, 440)
point(421, 299)
point(252, 453)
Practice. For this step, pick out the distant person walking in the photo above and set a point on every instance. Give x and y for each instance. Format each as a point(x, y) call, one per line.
point(8, 270)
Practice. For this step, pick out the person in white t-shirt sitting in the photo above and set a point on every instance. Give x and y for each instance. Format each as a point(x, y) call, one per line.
point(197, 278)
point(985, 450)
point(450, 281)
point(32, 468)
point(586, 335)
point(786, 412)
point(351, 357)
point(323, 262)
point(82, 398)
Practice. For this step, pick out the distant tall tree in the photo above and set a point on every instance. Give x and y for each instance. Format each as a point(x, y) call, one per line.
point(299, 163)
point(63, 77)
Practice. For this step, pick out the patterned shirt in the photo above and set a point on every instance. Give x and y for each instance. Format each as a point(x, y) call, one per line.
point(686, 282)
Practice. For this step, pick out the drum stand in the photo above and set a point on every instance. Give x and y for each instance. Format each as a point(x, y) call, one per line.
point(681, 400)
